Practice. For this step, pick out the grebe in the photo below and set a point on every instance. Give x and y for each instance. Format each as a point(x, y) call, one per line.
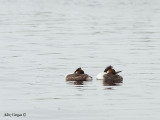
point(78, 75)
point(110, 75)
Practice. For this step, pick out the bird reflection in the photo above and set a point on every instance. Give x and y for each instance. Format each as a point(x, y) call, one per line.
point(109, 88)
point(77, 83)
point(111, 83)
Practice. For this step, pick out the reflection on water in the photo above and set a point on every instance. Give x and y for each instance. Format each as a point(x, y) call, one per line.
point(81, 83)
point(84, 83)
point(109, 88)
point(106, 83)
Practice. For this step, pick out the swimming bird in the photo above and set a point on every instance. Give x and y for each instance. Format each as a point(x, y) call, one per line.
point(110, 75)
point(78, 75)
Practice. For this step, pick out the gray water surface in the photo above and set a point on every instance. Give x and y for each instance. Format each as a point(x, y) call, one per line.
point(41, 41)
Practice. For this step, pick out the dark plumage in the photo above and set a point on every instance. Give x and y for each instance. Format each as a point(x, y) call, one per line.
point(112, 76)
point(79, 71)
point(107, 68)
point(78, 75)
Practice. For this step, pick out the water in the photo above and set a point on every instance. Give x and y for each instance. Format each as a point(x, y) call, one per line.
point(43, 40)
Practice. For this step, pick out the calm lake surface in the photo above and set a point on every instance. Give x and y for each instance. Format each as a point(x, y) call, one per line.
point(43, 40)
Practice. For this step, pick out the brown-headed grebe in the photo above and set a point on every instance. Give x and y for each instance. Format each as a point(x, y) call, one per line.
point(110, 75)
point(78, 75)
